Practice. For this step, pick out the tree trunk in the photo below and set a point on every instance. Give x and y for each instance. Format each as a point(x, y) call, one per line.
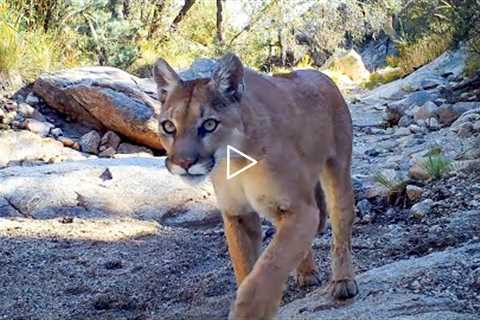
point(181, 14)
point(219, 21)
point(126, 8)
point(156, 18)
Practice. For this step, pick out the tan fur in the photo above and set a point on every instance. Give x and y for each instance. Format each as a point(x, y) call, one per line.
point(299, 129)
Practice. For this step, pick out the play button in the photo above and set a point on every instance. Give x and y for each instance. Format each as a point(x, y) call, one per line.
point(235, 153)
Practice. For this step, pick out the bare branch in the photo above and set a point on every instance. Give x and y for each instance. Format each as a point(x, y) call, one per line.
point(181, 14)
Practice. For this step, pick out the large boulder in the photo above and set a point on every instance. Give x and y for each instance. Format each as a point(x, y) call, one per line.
point(105, 98)
point(450, 62)
point(403, 290)
point(138, 188)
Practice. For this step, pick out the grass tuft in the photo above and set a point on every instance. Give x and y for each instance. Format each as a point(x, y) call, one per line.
point(437, 166)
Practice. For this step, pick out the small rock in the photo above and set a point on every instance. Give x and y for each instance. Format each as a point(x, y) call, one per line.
point(433, 124)
point(67, 142)
point(421, 209)
point(32, 99)
point(476, 126)
point(56, 132)
point(405, 121)
point(402, 132)
point(107, 153)
point(26, 109)
point(446, 115)
point(416, 128)
point(417, 172)
point(419, 98)
point(426, 111)
point(414, 193)
point(66, 220)
point(89, 142)
point(465, 130)
point(110, 139)
point(38, 127)
point(364, 207)
point(106, 175)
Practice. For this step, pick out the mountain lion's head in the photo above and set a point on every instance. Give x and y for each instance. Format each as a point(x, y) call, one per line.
point(199, 117)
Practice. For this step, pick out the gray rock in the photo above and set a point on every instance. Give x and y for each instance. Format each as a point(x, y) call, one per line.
point(38, 127)
point(416, 128)
point(405, 121)
point(105, 97)
point(426, 111)
point(402, 132)
point(364, 207)
point(465, 130)
point(420, 98)
point(139, 188)
point(476, 126)
point(32, 99)
point(433, 124)
point(386, 293)
point(414, 193)
point(109, 140)
point(451, 62)
point(26, 109)
point(421, 209)
point(107, 153)
point(89, 142)
point(56, 132)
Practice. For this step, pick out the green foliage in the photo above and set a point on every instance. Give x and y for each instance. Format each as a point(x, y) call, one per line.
point(393, 185)
point(413, 55)
point(380, 77)
point(436, 165)
point(279, 35)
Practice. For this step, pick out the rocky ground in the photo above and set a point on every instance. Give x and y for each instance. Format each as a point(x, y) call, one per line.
point(93, 227)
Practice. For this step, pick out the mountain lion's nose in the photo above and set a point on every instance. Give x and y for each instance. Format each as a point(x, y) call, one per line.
point(185, 163)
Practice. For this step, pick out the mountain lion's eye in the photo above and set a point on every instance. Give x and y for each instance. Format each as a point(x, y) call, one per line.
point(168, 127)
point(210, 125)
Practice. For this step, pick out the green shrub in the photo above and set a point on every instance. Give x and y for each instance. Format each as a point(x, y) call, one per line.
point(436, 166)
point(414, 55)
point(386, 75)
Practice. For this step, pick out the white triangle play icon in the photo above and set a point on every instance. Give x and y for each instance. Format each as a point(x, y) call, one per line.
point(237, 152)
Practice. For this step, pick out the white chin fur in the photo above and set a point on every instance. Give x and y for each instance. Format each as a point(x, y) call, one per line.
point(194, 180)
point(198, 168)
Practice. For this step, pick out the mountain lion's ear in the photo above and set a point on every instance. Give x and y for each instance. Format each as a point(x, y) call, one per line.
point(228, 76)
point(166, 78)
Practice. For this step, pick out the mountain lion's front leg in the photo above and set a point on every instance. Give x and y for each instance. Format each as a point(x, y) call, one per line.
point(244, 238)
point(260, 293)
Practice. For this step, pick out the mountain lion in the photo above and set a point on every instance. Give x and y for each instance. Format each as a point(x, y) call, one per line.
point(299, 128)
